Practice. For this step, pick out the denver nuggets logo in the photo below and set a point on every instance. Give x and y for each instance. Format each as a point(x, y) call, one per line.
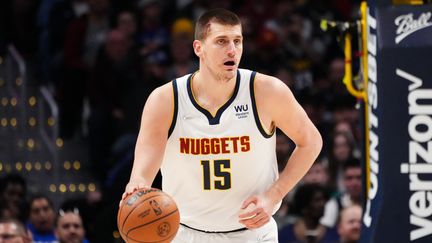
point(163, 229)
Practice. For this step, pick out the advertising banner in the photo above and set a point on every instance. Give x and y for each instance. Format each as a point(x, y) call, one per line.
point(398, 206)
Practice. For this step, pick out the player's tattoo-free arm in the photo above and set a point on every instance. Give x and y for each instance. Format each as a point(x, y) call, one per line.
point(150, 146)
point(279, 104)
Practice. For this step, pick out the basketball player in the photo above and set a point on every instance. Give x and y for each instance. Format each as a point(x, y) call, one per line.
point(212, 133)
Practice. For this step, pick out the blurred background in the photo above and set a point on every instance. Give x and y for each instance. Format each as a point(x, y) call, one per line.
point(75, 74)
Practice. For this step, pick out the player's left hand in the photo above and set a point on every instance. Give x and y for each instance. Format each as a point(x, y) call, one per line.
point(255, 212)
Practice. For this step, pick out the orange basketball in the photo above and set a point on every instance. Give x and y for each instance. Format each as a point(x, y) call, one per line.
point(148, 215)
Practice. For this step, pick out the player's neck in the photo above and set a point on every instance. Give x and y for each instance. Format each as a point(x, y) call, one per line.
point(210, 91)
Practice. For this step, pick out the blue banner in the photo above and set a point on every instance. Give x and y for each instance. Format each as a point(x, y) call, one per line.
point(399, 203)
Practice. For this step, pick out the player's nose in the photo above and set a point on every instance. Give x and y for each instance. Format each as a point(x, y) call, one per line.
point(231, 49)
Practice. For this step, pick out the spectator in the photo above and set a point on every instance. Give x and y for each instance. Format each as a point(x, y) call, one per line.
point(13, 189)
point(318, 173)
point(309, 201)
point(268, 51)
point(351, 194)
point(353, 130)
point(69, 227)
point(126, 23)
point(41, 223)
point(5, 211)
point(300, 50)
point(349, 225)
point(56, 18)
point(84, 37)
point(285, 74)
point(13, 231)
point(114, 110)
point(88, 208)
point(153, 36)
point(342, 149)
point(184, 61)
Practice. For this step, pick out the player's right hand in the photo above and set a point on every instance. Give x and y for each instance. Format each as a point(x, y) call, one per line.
point(131, 187)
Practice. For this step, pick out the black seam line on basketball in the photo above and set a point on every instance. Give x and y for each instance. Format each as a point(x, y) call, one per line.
point(150, 222)
point(216, 119)
point(127, 216)
point(255, 109)
point(174, 119)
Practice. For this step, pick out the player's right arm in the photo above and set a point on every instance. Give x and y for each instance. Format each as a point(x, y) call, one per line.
point(156, 120)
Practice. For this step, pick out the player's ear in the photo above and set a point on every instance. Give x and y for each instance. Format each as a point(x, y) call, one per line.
point(197, 46)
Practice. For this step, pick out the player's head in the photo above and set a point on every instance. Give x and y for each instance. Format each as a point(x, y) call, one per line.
point(219, 42)
point(69, 227)
point(13, 231)
point(214, 16)
point(349, 224)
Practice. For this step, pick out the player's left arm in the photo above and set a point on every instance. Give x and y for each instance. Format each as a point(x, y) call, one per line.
point(277, 105)
point(278, 102)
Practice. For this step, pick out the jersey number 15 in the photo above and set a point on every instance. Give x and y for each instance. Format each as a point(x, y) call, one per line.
point(221, 176)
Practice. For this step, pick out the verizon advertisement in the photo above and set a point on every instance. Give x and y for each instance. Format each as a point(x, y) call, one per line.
point(399, 205)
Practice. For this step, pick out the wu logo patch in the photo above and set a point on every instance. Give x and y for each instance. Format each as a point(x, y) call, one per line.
point(241, 108)
point(242, 111)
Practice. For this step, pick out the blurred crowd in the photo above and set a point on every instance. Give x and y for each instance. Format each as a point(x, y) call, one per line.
point(102, 58)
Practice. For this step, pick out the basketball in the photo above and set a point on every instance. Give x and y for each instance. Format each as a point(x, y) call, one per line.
point(148, 215)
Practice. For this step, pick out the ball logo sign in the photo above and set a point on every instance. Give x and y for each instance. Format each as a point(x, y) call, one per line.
point(407, 24)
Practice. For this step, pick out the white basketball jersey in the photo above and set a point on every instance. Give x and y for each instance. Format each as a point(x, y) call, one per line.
point(213, 163)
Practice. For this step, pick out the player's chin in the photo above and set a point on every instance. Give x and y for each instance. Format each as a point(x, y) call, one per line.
point(232, 70)
point(230, 74)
